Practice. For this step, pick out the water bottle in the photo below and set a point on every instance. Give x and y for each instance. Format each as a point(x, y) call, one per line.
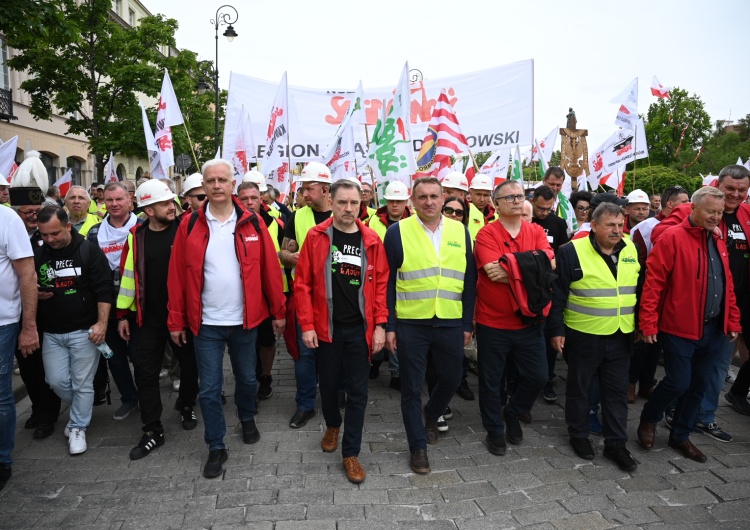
point(105, 350)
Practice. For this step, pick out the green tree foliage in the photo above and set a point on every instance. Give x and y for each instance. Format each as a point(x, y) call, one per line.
point(719, 151)
point(655, 179)
point(94, 70)
point(666, 121)
point(743, 129)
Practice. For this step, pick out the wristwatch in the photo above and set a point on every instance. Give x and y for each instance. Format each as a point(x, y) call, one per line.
point(382, 325)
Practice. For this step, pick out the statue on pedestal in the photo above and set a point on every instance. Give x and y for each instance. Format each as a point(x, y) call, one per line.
point(574, 155)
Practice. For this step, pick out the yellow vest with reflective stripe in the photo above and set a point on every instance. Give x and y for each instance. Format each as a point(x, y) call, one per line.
point(376, 224)
point(598, 303)
point(126, 294)
point(428, 286)
point(273, 212)
point(273, 229)
point(91, 220)
point(96, 208)
point(304, 220)
point(476, 221)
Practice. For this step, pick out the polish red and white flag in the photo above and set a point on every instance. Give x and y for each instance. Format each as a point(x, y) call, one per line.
point(659, 90)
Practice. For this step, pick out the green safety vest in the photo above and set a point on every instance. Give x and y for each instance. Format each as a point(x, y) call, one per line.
point(304, 220)
point(273, 229)
point(91, 220)
point(126, 294)
point(598, 303)
point(428, 286)
point(476, 221)
point(376, 224)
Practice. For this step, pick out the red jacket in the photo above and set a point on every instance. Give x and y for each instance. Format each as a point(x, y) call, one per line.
point(683, 210)
point(674, 295)
point(312, 283)
point(259, 268)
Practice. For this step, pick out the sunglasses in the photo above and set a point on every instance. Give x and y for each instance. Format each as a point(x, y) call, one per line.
point(200, 197)
point(458, 212)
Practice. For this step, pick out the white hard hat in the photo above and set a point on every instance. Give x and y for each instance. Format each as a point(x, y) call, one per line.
point(316, 172)
point(3, 182)
point(456, 180)
point(193, 181)
point(153, 191)
point(481, 182)
point(257, 177)
point(638, 196)
point(396, 191)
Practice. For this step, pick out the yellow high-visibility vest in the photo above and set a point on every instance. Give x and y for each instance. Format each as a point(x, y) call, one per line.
point(598, 303)
point(126, 294)
point(376, 224)
point(91, 220)
point(304, 220)
point(428, 285)
point(273, 229)
point(476, 221)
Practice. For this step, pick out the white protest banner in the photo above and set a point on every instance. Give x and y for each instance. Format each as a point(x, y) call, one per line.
point(621, 148)
point(496, 107)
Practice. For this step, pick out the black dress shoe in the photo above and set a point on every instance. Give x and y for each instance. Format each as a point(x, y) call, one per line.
point(621, 457)
point(464, 392)
point(496, 446)
point(583, 448)
point(432, 431)
point(32, 422)
point(375, 369)
point(250, 434)
point(43, 430)
point(419, 462)
point(395, 383)
point(513, 431)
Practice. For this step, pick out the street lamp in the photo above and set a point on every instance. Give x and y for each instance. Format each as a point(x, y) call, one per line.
point(220, 19)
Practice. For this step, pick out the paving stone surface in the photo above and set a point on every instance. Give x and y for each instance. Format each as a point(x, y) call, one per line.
point(285, 481)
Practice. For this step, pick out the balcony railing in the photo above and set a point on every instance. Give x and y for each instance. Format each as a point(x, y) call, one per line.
point(6, 105)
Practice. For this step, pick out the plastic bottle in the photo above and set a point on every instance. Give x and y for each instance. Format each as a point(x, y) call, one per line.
point(105, 350)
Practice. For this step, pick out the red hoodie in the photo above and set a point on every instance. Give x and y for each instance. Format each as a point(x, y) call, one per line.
point(313, 282)
point(259, 268)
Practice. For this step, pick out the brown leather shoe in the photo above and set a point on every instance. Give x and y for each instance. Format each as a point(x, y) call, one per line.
point(354, 471)
point(688, 450)
point(646, 392)
point(431, 430)
point(419, 462)
point(330, 441)
point(646, 434)
point(526, 418)
point(631, 392)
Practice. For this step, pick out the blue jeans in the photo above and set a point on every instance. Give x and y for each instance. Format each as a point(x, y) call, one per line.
point(8, 338)
point(304, 373)
point(707, 412)
point(414, 342)
point(70, 361)
point(209, 354)
point(688, 366)
point(494, 346)
point(392, 360)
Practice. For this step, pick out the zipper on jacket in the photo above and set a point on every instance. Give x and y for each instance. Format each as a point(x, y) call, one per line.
point(698, 276)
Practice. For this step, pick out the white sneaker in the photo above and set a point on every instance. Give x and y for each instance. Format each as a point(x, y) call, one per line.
point(77, 441)
point(163, 373)
point(442, 425)
point(176, 385)
point(66, 431)
point(731, 376)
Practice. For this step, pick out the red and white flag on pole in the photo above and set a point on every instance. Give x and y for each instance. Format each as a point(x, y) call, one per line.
point(244, 149)
point(278, 131)
point(443, 140)
point(623, 147)
point(167, 116)
point(65, 182)
point(8, 158)
point(627, 114)
point(110, 173)
point(280, 179)
point(154, 158)
point(659, 90)
point(496, 166)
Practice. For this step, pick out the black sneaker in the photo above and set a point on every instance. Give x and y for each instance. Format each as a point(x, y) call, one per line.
point(448, 414)
point(513, 431)
point(150, 441)
point(216, 459)
point(669, 418)
point(464, 392)
point(548, 393)
point(739, 403)
point(621, 457)
point(301, 418)
point(342, 400)
point(375, 369)
point(32, 422)
point(5, 473)
point(264, 389)
point(250, 433)
point(442, 425)
point(583, 448)
point(395, 383)
point(496, 446)
point(189, 421)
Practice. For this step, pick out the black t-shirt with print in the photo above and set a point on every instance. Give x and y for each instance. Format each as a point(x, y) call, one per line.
point(738, 256)
point(346, 277)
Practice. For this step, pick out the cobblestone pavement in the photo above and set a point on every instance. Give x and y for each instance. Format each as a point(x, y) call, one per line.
point(286, 482)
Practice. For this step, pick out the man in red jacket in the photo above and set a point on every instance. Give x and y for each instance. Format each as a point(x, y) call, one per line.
point(341, 281)
point(224, 280)
point(688, 298)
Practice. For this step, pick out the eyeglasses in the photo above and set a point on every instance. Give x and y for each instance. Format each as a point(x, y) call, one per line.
point(30, 213)
point(583, 208)
point(544, 210)
point(458, 212)
point(513, 198)
point(200, 196)
point(365, 191)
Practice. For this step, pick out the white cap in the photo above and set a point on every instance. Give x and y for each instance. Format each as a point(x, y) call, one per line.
point(481, 182)
point(456, 180)
point(153, 191)
point(3, 182)
point(396, 191)
point(638, 196)
point(193, 181)
point(316, 172)
point(257, 177)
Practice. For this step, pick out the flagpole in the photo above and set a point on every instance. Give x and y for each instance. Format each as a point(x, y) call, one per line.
point(372, 174)
point(288, 137)
point(195, 158)
point(635, 150)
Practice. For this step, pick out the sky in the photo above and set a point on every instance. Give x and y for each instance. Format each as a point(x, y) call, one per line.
point(585, 52)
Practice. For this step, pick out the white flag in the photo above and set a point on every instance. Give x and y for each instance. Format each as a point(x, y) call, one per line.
point(458, 165)
point(154, 159)
point(354, 115)
point(244, 149)
point(496, 166)
point(281, 180)
point(110, 173)
point(167, 116)
point(583, 184)
point(217, 156)
point(627, 114)
point(623, 147)
point(343, 165)
point(8, 157)
point(277, 137)
point(546, 147)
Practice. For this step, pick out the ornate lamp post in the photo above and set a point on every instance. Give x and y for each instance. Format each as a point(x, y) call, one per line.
point(222, 18)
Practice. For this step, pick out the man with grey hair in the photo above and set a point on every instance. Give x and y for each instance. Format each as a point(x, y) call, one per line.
point(691, 304)
point(224, 281)
point(111, 236)
point(593, 316)
point(77, 202)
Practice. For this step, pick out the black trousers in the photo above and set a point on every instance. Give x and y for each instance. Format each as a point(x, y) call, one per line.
point(45, 404)
point(609, 357)
point(148, 358)
point(643, 364)
point(345, 359)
